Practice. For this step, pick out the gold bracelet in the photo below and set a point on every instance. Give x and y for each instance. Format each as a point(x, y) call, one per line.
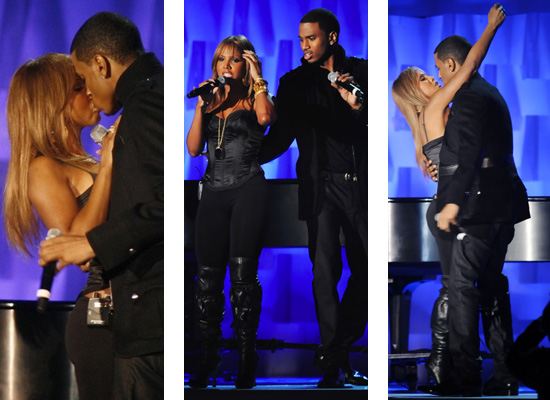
point(259, 83)
point(263, 89)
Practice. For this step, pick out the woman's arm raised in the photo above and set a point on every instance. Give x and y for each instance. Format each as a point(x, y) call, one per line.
point(477, 53)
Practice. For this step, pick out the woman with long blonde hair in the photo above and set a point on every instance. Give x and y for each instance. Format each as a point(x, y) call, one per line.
point(51, 181)
point(425, 106)
point(232, 120)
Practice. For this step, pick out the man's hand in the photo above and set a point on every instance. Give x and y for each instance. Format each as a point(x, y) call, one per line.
point(349, 97)
point(447, 216)
point(66, 249)
point(431, 168)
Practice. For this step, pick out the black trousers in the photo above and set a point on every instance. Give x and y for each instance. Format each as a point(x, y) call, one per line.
point(139, 378)
point(230, 223)
point(341, 323)
point(92, 353)
point(477, 283)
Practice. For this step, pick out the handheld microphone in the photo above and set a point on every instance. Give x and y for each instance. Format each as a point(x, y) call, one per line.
point(98, 133)
point(43, 294)
point(220, 80)
point(350, 87)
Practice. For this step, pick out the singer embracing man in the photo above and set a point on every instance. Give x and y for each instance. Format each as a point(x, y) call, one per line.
point(480, 197)
point(108, 55)
point(329, 123)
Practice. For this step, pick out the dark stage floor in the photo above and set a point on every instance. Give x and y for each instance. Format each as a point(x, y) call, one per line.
point(396, 391)
point(280, 388)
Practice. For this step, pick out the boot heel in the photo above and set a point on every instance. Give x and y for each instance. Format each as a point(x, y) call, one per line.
point(202, 379)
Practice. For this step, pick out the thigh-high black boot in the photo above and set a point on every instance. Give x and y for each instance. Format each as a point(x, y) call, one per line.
point(246, 299)
point(439, 362)
point(210, 301)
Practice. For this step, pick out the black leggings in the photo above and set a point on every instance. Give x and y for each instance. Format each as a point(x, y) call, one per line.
point(444, 241)
point(230, 223)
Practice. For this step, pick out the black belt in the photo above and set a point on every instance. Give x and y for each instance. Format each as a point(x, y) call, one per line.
point(487, 162)
point(339, 176)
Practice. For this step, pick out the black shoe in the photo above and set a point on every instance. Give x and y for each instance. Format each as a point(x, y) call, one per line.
point(353, 377)
point(450, 389)
point(494, 387)
point(439, 389)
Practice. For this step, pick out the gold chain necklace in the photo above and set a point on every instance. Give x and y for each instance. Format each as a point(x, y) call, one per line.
point(219, 151)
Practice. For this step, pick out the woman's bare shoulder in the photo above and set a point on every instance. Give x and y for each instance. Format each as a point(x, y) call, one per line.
point(46, 168)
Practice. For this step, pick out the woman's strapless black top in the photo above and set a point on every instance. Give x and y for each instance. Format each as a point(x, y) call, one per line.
point(240, 146)
point(432, 149)
point(95, 279)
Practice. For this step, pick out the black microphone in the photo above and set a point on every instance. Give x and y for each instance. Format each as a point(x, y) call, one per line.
point(350, 87)
point(43, 294)
point(206, 88)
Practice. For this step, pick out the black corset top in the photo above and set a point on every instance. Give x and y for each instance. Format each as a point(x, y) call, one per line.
point(236, 160)
point(432, 149)
point(95, 279)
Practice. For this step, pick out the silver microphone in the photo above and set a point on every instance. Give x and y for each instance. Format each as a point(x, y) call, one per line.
point(98, 133)
point(350, 87)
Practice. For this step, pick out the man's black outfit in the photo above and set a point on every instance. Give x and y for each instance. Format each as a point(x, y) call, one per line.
point(332, 177)
point(478, 173)
point(129, 245)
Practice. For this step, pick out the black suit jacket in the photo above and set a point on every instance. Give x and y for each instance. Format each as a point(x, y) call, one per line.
point(309, 110)
point(480, 128)
point(129, 245)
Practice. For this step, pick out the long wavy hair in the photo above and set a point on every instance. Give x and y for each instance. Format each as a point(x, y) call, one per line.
point(410, 100)
point(39, 123)
point(240, 43)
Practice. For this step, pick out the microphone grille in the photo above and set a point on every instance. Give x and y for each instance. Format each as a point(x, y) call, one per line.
point(97, 133)
point(221, 79)
point(332, 76)
point(52, 233)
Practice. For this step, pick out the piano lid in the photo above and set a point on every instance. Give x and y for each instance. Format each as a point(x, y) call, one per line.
point(410, 240)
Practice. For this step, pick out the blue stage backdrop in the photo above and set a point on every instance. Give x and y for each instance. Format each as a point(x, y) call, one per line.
point(288, 311)
point(517, 63)
point(29, 29)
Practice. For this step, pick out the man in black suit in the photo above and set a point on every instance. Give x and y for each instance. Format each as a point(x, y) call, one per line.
point(108, 55)
point(480, 196)
point(330, 127)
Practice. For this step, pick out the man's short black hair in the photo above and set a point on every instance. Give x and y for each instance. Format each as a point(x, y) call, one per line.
point(109, 34)
point(326, 19)
point(455, 47)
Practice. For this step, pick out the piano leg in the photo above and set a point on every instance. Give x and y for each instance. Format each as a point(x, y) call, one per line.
point(400, 293)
